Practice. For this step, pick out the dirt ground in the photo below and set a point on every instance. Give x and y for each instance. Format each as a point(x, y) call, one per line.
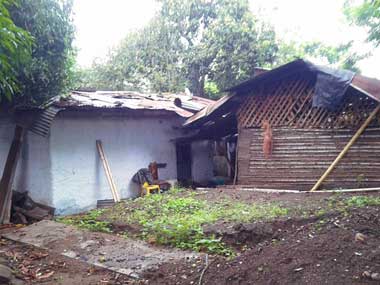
point(319, 242)
point(34, 265)
point(295, 250)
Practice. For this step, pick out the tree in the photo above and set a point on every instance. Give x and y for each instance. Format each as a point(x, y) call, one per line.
point(190, 44)
point(48, 72)
point(15, 44)
point(339, 56)
point(367, 14)
point(204, 45)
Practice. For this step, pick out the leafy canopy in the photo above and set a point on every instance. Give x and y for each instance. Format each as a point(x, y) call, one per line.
point(205, 46)
point(15, 50)
point(48, 71)
point(366, 14)
point(188, 44)
point(339, 56)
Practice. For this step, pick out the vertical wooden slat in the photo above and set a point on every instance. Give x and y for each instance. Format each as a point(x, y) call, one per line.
point(8, 175)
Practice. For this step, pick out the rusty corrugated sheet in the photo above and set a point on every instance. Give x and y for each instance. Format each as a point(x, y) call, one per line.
point(114, 100)
point(41, 125)
point(368, 86)
point(134, 101)
point(300, 157)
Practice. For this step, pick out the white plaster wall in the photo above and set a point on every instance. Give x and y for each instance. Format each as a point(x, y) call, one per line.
point(202, 166)
point(64, 169)
point(34, 174)
point(78, 178)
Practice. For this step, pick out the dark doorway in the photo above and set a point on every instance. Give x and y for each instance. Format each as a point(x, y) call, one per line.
point(184, 164)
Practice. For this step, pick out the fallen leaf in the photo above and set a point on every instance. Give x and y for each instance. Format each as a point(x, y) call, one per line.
point(46, 275)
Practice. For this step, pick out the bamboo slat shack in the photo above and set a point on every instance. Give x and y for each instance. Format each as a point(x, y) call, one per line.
point(311, 118)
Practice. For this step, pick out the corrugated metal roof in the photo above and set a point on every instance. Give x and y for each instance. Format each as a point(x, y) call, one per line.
point(134, 101)
point(368, 86)
point(181, 104)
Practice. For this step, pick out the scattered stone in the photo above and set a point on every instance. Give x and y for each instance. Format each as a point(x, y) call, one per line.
point(87, 243)
point(366, 274)
point(5, 274)
point(298, 269)
point(70, 254)
point(134, 275)
point(375, 276)
point(359, 237)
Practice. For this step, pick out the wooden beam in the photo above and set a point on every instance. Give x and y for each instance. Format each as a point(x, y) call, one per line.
point(108, 172)
point(346, 148)
point(8, 175)
point(236, 159)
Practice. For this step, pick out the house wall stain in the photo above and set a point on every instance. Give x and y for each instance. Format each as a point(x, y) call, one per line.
point(78, 178)
point(64, 170)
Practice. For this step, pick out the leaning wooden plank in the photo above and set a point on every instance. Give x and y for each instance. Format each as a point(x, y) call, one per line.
point(346, 148)
point(8, 175)
point(107, 171)
point(110, 174)
point(104, 162)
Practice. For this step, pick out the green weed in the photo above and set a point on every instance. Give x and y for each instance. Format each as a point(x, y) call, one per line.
point(89, 221)
point(178, 220)
point(362, 201)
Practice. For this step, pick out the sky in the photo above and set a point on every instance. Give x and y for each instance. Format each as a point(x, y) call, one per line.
point(102, 24)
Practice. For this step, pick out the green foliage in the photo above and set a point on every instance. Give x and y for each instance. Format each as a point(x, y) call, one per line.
point(187, 44)
point(366, 14)
point(211, 90)
point(48, 72)
point(15, 49)
point(338, 203)
point(362, 201)
point(89, 221)
point(339, 56)
point(177, 218)
point(205, 46)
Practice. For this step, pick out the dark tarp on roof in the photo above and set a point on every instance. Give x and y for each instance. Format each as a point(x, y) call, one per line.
point(330, 86)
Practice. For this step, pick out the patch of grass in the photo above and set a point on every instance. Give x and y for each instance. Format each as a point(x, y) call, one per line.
point(343, 204)
point(362, 201)
point(177, 218)
point(88, 221)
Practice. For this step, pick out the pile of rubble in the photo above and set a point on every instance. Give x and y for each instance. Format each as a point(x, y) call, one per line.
point(26, 211)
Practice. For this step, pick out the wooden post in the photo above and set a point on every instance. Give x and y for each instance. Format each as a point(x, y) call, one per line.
point(8, 176)
point(107, 170)
point(236, 159)
point(346, 148)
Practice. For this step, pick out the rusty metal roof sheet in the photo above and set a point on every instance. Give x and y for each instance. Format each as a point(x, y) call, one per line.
point(368, 86)
point(181, 104)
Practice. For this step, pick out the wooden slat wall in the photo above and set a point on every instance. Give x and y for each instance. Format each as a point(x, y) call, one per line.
point(289, 104)
point(300, 156)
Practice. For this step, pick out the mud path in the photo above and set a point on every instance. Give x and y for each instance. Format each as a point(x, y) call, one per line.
point(116, 253)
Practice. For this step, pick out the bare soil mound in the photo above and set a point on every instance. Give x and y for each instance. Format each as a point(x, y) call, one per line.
point(342, 248)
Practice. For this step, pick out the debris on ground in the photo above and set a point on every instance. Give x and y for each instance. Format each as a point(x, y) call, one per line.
point(242, 237)
point(119, 254)
point(31, 265)
point(26, 211)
